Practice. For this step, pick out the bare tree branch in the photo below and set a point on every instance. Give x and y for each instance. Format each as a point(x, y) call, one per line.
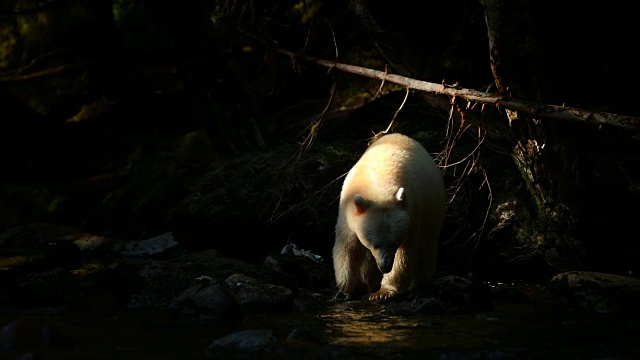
point(532, 108)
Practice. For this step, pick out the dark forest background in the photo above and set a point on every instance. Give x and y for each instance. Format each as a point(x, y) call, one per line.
point(133, 118)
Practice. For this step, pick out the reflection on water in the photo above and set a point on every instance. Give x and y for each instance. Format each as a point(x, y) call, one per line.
point(352, 330)
point(365, 324)
point(530, 330)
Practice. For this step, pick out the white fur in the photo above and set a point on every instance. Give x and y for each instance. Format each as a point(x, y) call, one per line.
point(392, 207)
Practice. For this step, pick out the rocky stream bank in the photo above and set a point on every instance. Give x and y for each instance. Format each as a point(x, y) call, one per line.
point(72, 295)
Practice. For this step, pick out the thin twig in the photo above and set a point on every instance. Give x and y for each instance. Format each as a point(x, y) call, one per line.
point(406, 95)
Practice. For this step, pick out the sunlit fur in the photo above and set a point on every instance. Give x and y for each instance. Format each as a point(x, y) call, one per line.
point(401, 202)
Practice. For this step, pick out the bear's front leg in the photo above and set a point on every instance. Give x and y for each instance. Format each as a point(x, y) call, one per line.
point(350, 263)
point(393, 283)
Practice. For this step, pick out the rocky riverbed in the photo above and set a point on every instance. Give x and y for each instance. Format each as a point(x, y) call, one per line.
point(70, 295)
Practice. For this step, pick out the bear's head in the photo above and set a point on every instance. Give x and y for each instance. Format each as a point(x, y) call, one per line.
point(381, 227)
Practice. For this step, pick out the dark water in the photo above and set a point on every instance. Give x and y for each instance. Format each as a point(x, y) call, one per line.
point(509, 331)
point(344, 330)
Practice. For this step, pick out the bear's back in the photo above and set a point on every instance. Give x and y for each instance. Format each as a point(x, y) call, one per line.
point(393, 161)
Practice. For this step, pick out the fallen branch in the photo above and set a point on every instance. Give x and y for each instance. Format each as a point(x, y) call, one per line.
point(532, 108)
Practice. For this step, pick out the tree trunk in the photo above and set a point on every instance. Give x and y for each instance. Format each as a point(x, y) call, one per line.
point(546, 152)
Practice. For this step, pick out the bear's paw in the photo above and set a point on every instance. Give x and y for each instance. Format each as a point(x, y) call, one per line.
point(382, 295)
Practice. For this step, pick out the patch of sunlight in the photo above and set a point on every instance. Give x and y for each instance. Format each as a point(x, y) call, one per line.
point(88, 242)
point(11, 262)
point(92, 110)
point(361, 327)
point(88, 269)
point(307, 9)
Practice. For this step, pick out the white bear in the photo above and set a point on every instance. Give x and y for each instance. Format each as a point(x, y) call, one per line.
point(392, 208)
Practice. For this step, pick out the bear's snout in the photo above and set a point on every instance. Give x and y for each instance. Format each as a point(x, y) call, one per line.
point(385, 268)
point(384, 260)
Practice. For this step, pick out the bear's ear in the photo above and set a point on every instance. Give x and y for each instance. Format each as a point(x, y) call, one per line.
point(361, 204)
point(400, 195)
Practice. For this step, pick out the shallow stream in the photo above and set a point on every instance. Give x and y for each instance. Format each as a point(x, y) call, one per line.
point(351, 330)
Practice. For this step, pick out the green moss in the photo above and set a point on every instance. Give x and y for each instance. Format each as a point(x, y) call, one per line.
point(7, 42)
point(519, 158)
point(306, 10)
point(56, 203)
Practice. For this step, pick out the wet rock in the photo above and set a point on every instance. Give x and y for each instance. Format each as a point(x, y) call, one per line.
point(510, 295)
point(448, 294)
point(301, 338)
point(309, 301)
point(598, 293)
point(294, 250)
point(255, 295)
point(416, 304)
point(39, 255)
point(247, 340)
point(209, 298)
point(462, 295)
point(153, 246)
point(93, 246)
point(160, 285)
point(26, 235)
point(45, 288)
point(33, 335)
point(163, 280)
point(304, 271)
